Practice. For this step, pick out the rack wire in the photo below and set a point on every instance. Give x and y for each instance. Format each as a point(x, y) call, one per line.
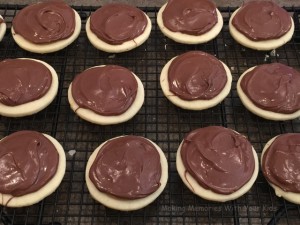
point(158, 120)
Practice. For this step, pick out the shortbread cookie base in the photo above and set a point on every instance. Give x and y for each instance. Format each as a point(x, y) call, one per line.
point(187, 38)
point(126, 46)
point(289, 196)
point(193, 104)
point(93, 117)
point(126, 204)
point(194, 186)
point(259, 45)
point(35, 106)
point(49, 47)
point(269, 115)
point(2, 29)
point(46, 190)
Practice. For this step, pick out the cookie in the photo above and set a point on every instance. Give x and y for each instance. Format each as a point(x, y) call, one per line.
point(46, 27)
point(27, 86)
point(268, 25)
point(118, 28)
point(217, 163)
point(2, 28)
point(106, 94)
point(32, 167)
point(190, 21)
point(280, 165)
point(126, 173)
point(271, 91)
point(195, 80)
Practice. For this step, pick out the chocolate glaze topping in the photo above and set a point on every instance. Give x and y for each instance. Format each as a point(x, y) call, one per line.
point(45, 22)
point(1, 20)
point(281, 162)
point(23, 81)
point(127, 167)
point(194, 17)
point(274, 87)
point(108, 90)
point(262, 20)
point(117, 23)
point(28, 160)
point(218, 158)
point(196, 75)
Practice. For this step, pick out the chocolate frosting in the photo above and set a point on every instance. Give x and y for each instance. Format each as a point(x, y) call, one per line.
point(28, 160)
point(274, 87)
point(45, 22)
point(117, 23)
point(196, 75)
point(262, 20)
point(23, 81)
point(108, 90)
point(127, 167)
point(218, 158)
point(281, 162)
point(194, 17)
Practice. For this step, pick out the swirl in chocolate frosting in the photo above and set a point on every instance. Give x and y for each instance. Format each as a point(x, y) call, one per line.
point(28, 160)
point(45, 22)
point(218, 158)
point(107, 90)
point(193, 17)
point(196, 75)
point(262, 20)
point(23, 81)
point(127, 167)
point(117, 23)
point(274, 87)
point(281, 162)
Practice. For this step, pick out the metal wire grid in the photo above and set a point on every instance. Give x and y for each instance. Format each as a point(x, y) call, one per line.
point(158, 120)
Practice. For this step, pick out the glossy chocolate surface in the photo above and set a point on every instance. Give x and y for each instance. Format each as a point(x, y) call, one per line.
point(196, 75)
point(127, 167)
point(281, 162)
point(23, 81)
point(117, 23)
point(218, 158)
point(194, 17)
point(45, 22)
point(28, 160)
point(274, 87)
point(262, 20)
point(108, 90)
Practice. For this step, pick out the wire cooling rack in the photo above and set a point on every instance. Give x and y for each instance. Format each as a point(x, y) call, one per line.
point(158, 120)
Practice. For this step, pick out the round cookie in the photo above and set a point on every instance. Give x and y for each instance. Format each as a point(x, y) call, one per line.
point(51, 46)
point(94, 117)
point(205, 192)
point(38, 195)
point(261, 45)
point(2, 28)
point(34, 106)
point(120, 47)
point(264, 113)
point(193, 104)
point(189, 38)
point(290, 196)
point(122, 203)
